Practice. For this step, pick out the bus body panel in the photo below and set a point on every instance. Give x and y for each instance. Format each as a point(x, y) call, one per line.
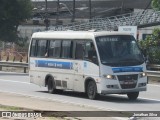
point(71, 74)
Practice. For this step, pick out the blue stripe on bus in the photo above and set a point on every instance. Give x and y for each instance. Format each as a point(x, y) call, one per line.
point(54, 64)
point(127, 69)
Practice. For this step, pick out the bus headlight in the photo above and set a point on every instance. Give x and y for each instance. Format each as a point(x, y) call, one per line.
point(141, 75)
point(113, 77)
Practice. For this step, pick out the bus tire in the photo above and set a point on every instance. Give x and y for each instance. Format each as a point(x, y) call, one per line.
point(133, 95)
point(92, 90)
point(51, 85)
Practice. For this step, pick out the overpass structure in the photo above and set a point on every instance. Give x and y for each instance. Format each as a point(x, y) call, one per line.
point(141, 19)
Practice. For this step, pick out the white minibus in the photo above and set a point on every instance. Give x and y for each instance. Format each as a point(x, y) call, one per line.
point(96, 63)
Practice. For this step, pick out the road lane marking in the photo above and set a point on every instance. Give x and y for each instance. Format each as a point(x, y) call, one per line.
point(125, 96)
point(2, 72)
point(149, 99)
point(154, 85)
point(4, 80)
point(32, 83)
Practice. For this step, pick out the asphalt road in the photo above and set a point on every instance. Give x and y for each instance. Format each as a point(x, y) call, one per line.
point(19, 84)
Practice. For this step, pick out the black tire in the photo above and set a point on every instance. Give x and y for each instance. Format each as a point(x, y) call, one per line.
point(92, 90)
point(133, 95)
point(51, 85)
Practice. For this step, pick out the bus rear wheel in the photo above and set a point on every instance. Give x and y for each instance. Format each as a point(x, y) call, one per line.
point(133, 95)
point(92, 90)
point(51, 85)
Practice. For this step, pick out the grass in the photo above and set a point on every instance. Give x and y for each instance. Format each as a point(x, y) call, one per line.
point(12, 108)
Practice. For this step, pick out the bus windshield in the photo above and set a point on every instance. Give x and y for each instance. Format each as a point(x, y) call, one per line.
point(119, 50)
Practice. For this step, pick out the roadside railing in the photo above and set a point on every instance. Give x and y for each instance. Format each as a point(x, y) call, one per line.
point(14, 64)
point(153, 75)
point(153, 72)
point(153, 67)
point(9, 58)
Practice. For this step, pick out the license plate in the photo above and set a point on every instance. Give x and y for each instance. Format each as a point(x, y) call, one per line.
point(128, 82)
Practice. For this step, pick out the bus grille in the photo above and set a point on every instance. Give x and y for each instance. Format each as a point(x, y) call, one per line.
point(128, 81)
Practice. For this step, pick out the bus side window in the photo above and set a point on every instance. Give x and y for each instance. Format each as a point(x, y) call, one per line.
point(42, 48)
point(79, 50)
point(33, 48)
point(66, 49)
point(51, 48)
point(55, 48)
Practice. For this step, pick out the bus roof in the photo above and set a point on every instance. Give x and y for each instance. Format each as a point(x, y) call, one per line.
point(74, 34)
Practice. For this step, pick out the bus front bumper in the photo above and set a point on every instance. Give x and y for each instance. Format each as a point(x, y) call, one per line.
point(122, 91)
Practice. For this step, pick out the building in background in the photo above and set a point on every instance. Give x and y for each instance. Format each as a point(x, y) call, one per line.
point(83, 11)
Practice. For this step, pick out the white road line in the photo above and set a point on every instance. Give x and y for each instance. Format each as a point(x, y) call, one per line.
point(116, 95)
point(149, 99)
point(72, 102)
point(26, 82)
point(1, 72)
point(154, 85)
point(4, 80)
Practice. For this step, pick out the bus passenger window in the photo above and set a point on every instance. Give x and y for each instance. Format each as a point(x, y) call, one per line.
point(79, 50)
point(33, 48)
point(66, 49)
point(42, 48)
point(51, 48)
point(55, 48)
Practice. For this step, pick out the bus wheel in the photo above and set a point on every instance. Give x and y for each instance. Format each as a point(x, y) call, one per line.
point(51, 85)
point(133, 95)
point(92, 90)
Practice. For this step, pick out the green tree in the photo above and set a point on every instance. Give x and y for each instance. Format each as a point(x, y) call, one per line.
point(151, 46)
point(12, 13)
point(156, 4)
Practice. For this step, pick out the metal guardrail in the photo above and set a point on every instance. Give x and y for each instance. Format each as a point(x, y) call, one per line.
point(153, 75)
point(153, 72)
point(14, 64)
point(153, 67)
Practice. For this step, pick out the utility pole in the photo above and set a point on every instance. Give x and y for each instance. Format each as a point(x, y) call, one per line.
point(90, 9)
point(122, 7)
point(46, 21)
point(57, 18)
point(73, 16)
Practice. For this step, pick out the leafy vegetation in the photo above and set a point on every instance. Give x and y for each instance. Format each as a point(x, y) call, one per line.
point(12, 13)
point(151, 46)
point(156, 4)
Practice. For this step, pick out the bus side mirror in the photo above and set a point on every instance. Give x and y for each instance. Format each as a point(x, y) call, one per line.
point(146, 58)
point(144, 51)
